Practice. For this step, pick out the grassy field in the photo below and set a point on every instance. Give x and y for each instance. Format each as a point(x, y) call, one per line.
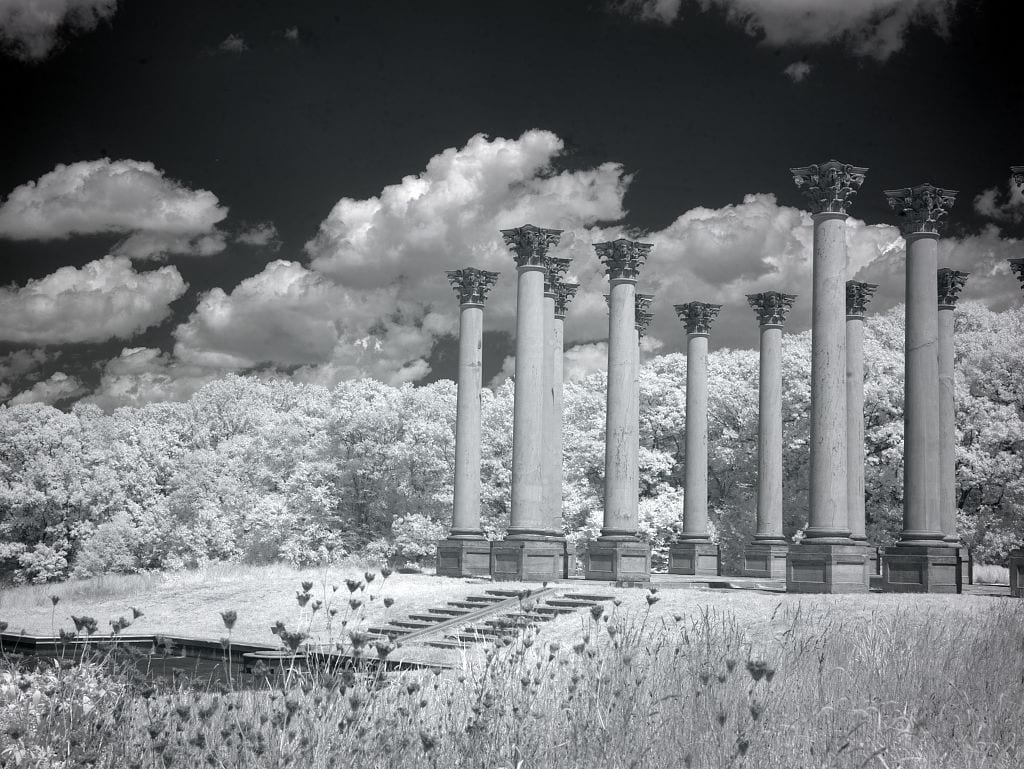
point(683, 678)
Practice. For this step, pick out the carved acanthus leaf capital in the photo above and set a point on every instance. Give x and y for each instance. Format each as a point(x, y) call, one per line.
point(471, 285)
point(771, 307)
point(1017, 268)
point(623, 258)
point(858, 294)
point(924, 208)
point(554, 269)
point(641, 309)
point(643, 322)
point(697, 316)
point(1018, 175)
point(829, 187)
point(530, 244)
point(564, 293)
point(950, 283)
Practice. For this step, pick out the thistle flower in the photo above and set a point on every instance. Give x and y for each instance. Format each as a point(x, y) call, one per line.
point(369, 576)
point(353, 585)
point(229, 617)
point(389, 602)
point(759, 670)
point(355, 603)
point(316, 606)
point(653, 599)
point(384, 648)
point(55, 599)
point(385, 572)
point(136, 613)
point(596, 611)
point(302, 598)
point(307, 586)
point(277, 628)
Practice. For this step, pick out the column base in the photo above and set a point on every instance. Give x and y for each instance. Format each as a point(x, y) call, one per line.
point(618, 560)
point(966, 565)
point(814, 567)
point(919, 569)
point(569, 560)
point(463, 557)
point(695, 559)
point(534, 558)
point(766, 560)
point(1017, 573)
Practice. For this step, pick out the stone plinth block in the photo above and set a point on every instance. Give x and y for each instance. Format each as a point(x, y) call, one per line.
point(920, 569)
point(463, 557)
point(698, 559)
point(1017, 573)
point(765, 560)
point(618, 561)
point(813, 567)
point(568, 560)
point(966, 566)
point(527, 559)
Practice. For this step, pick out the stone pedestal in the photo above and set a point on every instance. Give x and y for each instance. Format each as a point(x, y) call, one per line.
point(527, 558)
point(817, 567)
point(910, 569)
point(469, 557)
point(966, 565)
point(765, 560)
point(1017, 573)
point(619, 561)
point(698, 559)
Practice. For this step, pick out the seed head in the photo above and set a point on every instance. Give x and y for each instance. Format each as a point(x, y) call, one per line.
point(55, 599)
point(230, 617)
point(652, 599)
point(369, 576)
point(389, 602)
point(307, 586)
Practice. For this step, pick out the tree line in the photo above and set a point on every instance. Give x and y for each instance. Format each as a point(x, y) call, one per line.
point(259, 469)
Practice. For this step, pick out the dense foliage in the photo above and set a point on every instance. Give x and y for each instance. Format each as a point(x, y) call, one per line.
point(255, 470)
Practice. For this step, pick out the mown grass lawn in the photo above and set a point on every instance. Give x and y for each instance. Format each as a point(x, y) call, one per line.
point(675, 678)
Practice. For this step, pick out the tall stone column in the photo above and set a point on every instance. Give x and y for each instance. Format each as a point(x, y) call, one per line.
point(921, 561)
point(564, 293)
point(642, 318)
point(466, 552)
point(618, 554)
point(528, 551)
point(551, 418)
point(765, 557)
point(827, 560)
point(858, 294)
point(694, 552)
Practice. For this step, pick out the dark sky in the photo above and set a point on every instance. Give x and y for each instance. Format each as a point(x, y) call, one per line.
point(699, 111)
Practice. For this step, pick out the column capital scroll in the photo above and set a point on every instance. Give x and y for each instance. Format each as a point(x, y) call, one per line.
point(697, 316)
point(530, 244)
point(623, 258)
point(643, 322)
point(1018, 175)
point(564, 294)
point(858, 294)
point(1017, 268)
point(924, 208)
point(554, 269)
point(771, 307)
point(829, 186)
point(641, 311)
point(950, 283)
point(472, 285)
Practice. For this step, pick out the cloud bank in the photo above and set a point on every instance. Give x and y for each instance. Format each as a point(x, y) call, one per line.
point(31, 29)
point(158, 215)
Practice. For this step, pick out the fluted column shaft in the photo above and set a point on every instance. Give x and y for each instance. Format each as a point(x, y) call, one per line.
point(855, 427)
point(528, 512)
point(947, 426)
point(466, 514)
point(921, 516)
point(828, 508)
point(552, 465)
point(695, 499)
point(769, 437)
point(622, 432)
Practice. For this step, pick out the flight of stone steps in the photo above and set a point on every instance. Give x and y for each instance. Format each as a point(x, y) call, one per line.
point(492, 615)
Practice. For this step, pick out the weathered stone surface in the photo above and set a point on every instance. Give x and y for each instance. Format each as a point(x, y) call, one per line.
point(829, 187)
point(1017, 573)
point(857, 296)
point(618, 561)
point(527, 558)
point(765, 560)
point(463, 557)
point(694, 558)
point(819, 567)
point(950, 284)
point(912, 569)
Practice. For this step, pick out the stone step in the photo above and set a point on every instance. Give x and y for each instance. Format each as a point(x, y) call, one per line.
point(412, 624)
point(570, 603)
point(505, 592)
point(432, 619)
point(517, 621)
point(444, 643)
point(385, 631)
point(484, 599)
point(590, 597)
point(452, 611)
point(531, 616)
point(553, 610)
point(468, 604)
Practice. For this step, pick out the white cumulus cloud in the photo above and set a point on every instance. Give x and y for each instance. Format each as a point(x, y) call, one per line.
point(141, 375)
point(157, 214)
point(797, 71)
point(58, 387)
point(993, 204)
point(104, 299)
point(233, 44)
point(31, 29)
point(870, 28)
point(260, 235)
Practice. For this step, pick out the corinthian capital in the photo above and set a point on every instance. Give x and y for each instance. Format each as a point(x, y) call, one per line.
point(951, 283)
point(554, 269)
point(923, 208)
point(623, 258)
point(472, 284)
point(643, 322)
point(1018, 175)
point(697, 316)
point(530, 244)
point(858, 295)
point(564, 293)
point(1017, 268)
point(641, 309)
point(771, 307)
point(829, 186)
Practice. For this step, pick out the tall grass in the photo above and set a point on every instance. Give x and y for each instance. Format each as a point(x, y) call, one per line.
point(908, 687)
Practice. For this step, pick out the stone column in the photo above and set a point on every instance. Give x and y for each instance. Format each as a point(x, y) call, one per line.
point(618, 554)
point(466, 552)
point(827, 560)
point(694, 552)
point(765, 557)
point(551, 417)
point(950, 284)
point(642, 318)
point(528, 552)
point(564, 293)
point(921, 561)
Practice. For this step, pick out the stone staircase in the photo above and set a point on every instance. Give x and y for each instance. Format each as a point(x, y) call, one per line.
point(493, 615)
